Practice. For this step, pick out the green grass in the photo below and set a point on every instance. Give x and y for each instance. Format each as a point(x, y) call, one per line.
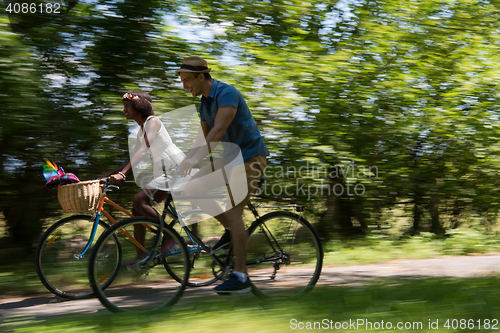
point(381, 247)
point(391, 300)
point(20, 279)
point(407, 301)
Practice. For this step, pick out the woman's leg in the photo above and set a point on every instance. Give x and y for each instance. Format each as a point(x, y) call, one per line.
point(141, 203)
point(141, 206)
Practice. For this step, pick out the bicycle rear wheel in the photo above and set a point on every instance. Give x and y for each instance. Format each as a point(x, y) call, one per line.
point(204, 270)
point(142, 283)
point(58, 262)
point(284, 256)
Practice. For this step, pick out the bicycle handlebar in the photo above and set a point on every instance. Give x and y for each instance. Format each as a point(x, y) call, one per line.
point(173, 168)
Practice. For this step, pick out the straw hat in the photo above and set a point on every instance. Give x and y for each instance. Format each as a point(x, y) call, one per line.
point(194, 65)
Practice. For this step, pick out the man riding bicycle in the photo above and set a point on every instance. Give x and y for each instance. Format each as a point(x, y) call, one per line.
point(225, 117)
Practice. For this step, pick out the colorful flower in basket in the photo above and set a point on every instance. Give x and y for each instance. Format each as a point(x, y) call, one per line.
point(55, 175)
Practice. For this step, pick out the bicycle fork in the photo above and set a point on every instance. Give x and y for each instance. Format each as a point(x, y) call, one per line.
point(96, 217)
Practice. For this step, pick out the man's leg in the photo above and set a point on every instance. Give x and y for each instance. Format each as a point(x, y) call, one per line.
point(232, 219)
point(254, 169)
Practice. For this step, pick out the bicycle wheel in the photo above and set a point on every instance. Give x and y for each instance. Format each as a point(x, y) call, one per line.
point(58, 263)
point(204, 270)
point(142, 283)
point(284, 256)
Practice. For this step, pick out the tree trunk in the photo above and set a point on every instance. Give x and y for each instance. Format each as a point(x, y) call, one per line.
point(338, 209)
point(417, 214)
point(436, 226)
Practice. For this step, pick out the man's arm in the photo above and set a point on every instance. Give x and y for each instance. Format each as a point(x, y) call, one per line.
point(225, 116)
point(205, 128)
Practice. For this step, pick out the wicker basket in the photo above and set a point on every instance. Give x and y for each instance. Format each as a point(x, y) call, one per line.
point(79, 197)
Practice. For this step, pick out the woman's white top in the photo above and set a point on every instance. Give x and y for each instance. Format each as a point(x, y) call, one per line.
point(162, 148)
point(163, 154)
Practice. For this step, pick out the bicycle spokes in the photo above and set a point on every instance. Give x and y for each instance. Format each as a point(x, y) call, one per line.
point(284, 255)
point(143, 283)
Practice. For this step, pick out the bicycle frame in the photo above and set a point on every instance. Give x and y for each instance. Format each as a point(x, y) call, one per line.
point(97, 216)
point(169, 208)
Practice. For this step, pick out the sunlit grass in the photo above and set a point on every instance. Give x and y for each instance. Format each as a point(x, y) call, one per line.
point(379, 247)
point(390, 300)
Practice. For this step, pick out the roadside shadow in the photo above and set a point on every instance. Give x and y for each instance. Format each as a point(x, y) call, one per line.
point(45, 307)
point(19, 302)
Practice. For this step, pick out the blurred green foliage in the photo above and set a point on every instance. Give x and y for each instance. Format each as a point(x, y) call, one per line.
point(394, 98)
point(404, 88)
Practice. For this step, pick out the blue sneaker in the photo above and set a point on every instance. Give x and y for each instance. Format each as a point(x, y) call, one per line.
point(233, 285)
point(225, 240)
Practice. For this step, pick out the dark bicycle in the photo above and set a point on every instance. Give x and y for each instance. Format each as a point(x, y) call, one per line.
point(284, 257)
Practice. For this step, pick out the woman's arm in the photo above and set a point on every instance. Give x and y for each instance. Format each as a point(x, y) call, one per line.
point(140, 150)
point(142, 146)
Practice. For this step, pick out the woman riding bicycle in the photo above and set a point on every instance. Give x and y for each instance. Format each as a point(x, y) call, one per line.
point(153, 147)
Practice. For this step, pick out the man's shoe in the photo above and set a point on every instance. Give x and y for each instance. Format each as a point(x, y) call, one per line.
point(233, 285)
point(223, 241)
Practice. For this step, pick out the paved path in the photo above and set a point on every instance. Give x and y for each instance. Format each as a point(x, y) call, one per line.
point(45, 306)
point(448, 266)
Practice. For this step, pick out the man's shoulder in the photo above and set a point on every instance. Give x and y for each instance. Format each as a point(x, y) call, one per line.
point(223, 87)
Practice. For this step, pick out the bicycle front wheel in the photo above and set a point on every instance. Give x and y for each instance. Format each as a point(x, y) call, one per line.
point(284, 256)
point(142, 282)
point(60, 264)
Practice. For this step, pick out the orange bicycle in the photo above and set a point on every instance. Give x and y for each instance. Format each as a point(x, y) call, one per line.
point(61, 255)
